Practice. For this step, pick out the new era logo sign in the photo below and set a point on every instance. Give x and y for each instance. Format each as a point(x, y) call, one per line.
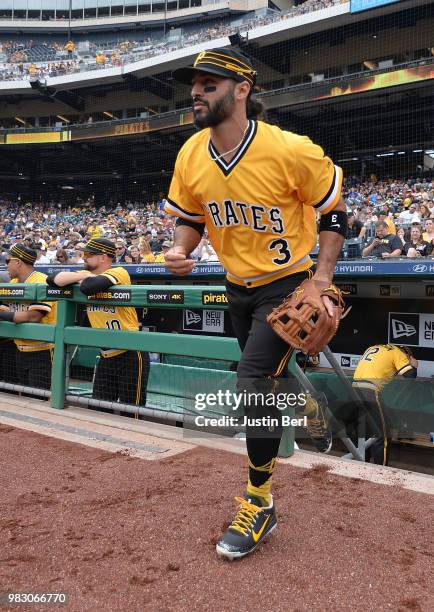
point(191, 318)
point(404, 328)
point(208, 321)
point(400, 329)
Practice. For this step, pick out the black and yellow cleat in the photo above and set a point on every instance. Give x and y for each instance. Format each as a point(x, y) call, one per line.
point(318, 426)
point(252, 523)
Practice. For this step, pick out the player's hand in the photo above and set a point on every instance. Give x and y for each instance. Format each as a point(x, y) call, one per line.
point(177, 263)
point(328, 304)
point(385, 255)
point(4, 308)
point(376, 242)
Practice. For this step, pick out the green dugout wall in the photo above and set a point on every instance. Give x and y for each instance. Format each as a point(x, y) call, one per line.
point(172, 388)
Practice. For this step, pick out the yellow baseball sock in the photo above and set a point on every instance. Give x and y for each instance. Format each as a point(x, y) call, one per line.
point(263, 492)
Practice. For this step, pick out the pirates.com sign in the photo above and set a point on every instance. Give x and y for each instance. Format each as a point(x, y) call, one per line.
point(412, 329)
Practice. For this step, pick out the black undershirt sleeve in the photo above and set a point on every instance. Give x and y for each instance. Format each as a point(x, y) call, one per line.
point(94, 284)
point(411, 373)
point(199, 227)
point(50, 280)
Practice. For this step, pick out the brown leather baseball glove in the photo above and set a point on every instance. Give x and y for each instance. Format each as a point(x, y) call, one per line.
point(302, 319)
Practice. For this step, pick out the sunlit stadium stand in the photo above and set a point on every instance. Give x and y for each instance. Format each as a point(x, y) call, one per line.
point(126, 51)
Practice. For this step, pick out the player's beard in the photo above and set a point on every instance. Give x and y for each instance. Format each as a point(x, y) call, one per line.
point(221, 110)
point(89, 267)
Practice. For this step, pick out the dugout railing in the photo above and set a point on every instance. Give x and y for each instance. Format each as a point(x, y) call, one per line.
point(66, 336)
point(416, 407)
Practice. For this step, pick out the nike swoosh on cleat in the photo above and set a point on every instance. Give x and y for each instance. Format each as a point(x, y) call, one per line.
point(255, 535)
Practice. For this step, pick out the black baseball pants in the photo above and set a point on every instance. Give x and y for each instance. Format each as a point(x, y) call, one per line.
point(263, 362)
point(377, 425)
point(34, 368)
point(122, 378)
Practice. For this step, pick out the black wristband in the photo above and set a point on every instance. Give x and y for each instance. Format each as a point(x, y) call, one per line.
point(50, 280)
point(7, 316)
point(334, 221)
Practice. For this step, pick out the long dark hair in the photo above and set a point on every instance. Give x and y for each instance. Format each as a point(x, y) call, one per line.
point(255, 109)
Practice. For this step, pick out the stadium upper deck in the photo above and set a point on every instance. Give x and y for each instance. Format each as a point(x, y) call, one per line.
point(39, 57)
point(79, 15)
point(359, 84)
point(300, 44)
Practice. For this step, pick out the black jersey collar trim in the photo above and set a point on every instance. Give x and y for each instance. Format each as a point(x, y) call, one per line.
point(225, 167)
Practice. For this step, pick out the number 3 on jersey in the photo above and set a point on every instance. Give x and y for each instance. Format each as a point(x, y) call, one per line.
point(282, 247)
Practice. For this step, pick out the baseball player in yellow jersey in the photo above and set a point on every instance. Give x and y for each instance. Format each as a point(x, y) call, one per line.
point(34, 357)
point(256, 188)
point(378, 365)
point(120, 375)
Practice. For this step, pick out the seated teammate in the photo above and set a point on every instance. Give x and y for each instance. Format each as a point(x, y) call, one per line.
point(120, 375)
point(378, 365)
point(33, 357)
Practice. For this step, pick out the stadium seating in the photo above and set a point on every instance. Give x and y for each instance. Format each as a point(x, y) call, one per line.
point(40, 53)
point(157, 43)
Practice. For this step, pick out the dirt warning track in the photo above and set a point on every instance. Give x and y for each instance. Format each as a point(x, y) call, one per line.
point(118, 532)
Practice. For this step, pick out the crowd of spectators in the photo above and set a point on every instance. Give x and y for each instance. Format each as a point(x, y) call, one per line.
point(392, 218)
point(141, 231)
point(18, 66)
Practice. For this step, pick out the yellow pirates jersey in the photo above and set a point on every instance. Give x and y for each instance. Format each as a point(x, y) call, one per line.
point(260, 207)
point(112, 317)
point(48, 308)
point(379, 364)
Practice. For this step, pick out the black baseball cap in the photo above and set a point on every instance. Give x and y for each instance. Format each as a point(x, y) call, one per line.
point(222, 62)
point(23, 253)
point(100, 246)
